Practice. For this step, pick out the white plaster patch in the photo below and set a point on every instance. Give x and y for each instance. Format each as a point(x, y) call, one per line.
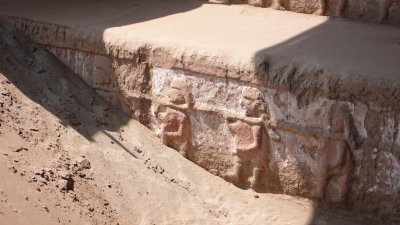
point(360, 112)
point(388, 131)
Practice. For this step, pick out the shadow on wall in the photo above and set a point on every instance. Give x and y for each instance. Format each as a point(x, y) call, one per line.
point(335, 50)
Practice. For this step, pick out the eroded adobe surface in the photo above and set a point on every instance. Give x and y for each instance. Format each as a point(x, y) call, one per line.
point(298, 121)
point(374, 10)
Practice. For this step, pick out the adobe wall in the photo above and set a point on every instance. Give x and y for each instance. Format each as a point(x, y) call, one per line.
point(275, 136)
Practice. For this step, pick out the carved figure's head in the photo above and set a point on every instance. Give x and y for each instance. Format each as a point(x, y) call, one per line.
point(177, 92)
point(252, 102)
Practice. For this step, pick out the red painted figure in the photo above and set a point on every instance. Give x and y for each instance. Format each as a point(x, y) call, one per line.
point(249, 143)
point(334, 160)
point(175, 127)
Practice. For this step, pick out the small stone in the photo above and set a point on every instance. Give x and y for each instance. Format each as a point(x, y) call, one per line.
point(32, 179)
point(13, 169)
point(73, 197)
point(39, 172)
point(82, 175)
point(91, 209)
point(48, 170)
point(6, 93)
point(138, 150)
point(65, 175)
point(20, 149)
point(66, 184)
point(84, 164)
point(62, 184)
point(256, 196)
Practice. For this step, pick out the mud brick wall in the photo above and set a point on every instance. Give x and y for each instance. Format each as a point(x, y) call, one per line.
point(342, 149)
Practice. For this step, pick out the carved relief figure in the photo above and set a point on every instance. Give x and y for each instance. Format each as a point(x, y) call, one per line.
point(175, 127)
point(334, 160)
point(250, 144)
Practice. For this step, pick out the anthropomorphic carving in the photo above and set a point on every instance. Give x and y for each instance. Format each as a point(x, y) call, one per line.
point(175, 127)
point(334, 160)
point(249, 142)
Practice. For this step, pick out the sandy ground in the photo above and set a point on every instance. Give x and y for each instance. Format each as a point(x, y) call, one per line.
point(66, 157)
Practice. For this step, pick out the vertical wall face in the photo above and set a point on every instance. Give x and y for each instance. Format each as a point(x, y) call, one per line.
point(257, 137)
point(387, 11)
